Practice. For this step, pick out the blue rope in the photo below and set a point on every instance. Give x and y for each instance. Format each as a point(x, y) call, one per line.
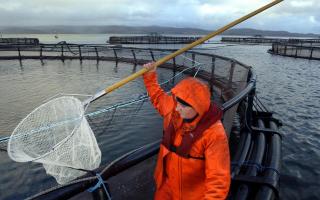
point(98, 185)
point(259, 167)
point(273, 169)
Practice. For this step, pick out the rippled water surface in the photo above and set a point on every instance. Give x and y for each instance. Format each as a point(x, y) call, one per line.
point(23, 88)
point(289, 87)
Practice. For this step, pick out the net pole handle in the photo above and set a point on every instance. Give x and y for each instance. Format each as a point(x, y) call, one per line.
point(180, 51)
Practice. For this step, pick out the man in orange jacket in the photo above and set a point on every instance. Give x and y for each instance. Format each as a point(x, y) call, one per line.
point(193, 161)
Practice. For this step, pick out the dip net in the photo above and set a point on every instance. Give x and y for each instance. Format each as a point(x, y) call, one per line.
point(57, 135)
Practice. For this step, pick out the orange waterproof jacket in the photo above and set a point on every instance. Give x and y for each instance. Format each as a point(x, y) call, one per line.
point(187, 178)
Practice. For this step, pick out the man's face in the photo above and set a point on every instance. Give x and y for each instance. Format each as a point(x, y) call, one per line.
point(186, 112)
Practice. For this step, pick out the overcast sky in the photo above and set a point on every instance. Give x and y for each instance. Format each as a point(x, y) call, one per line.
point(301, 16)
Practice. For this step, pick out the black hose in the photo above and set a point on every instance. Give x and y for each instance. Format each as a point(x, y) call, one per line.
point(255, 160)
point(272, 165)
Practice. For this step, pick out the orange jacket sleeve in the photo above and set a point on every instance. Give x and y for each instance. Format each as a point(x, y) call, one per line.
point(217, 165)
point(160, 99)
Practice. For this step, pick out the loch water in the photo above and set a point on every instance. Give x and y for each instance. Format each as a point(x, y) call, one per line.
point(289, 87)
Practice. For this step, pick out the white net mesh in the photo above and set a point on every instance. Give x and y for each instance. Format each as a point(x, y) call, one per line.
point(57, 135)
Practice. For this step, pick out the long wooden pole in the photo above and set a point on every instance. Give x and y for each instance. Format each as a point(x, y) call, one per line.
point(180, 51)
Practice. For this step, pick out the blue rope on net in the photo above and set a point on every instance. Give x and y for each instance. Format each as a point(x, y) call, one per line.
point(258, 166)
point(98, 185)
point(272, 169)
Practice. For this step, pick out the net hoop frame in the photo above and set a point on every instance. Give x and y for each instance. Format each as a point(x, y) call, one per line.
point(56, 145)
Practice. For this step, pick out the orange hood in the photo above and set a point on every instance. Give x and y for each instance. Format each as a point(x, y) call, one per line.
point(194, 92)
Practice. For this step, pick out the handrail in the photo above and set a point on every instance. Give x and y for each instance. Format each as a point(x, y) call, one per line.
point(236, 99)
point(141, 154)
point(92, 46)
point(128, 160)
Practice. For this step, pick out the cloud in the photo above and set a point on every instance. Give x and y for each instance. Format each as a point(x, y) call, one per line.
point(302, 4)
point(314, 20)
point(9, 6)
point(290, 15)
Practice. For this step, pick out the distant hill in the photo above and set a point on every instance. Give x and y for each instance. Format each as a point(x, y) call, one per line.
point(143, 30)
point(101, 29)
point(252, 32)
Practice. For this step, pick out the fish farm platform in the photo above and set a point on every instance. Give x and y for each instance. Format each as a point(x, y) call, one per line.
point(257, 40)
point(151, 39)
point(254, 138)
point(296, 51)
point(7, 42)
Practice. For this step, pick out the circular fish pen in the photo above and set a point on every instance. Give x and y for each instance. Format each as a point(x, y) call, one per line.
point(309, 51)
point(254, 139)
point(154, 38)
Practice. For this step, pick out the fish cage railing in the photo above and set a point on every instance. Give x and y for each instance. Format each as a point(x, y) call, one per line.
point(134, 158)
point(226, 77)
point(6, 42)
point(251, 39)
point(295, 51)
point(233, 80)
point(141, 154)
point(151, 39)
point(261, 39)
point(226, 72)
